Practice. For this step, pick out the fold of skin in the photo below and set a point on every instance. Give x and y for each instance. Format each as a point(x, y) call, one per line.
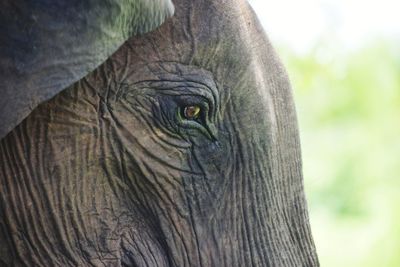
point(46, 46)
point(110, 172)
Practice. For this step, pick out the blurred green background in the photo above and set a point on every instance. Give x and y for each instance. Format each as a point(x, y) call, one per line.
point(349, 114)
point(347, 92)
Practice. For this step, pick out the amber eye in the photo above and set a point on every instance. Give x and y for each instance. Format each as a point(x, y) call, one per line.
point(191, 112)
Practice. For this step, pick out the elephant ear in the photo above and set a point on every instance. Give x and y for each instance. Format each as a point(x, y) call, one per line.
point(47, 45)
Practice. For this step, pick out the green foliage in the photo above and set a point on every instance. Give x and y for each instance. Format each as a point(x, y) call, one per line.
point(348, 105)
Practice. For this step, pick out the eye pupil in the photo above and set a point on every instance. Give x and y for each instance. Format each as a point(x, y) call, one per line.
point(191, 112)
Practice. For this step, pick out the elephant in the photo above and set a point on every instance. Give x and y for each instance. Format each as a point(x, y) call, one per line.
point(175, 147)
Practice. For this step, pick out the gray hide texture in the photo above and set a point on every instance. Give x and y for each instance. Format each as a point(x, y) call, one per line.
point(46, 45)
point(112, 171)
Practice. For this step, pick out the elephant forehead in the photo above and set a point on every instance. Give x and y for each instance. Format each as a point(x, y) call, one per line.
point(171, 71)
point(223, 38)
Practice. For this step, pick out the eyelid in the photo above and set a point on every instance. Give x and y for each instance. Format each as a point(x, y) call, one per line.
point(187, 89)
point(201, 124)
point(204, 129)
point(191, 92)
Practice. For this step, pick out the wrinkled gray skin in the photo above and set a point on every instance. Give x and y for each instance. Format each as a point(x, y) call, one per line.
point(111, 173)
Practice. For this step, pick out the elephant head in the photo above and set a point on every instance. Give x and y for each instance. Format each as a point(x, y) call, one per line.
point(181, 149)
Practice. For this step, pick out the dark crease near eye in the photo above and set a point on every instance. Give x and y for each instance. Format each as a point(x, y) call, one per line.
point(181, 89)
point(178, 87)
point(200, 93)
point(142, 114)
point(187, 96)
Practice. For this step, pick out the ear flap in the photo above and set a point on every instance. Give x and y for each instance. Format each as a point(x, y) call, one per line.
point(46, 45)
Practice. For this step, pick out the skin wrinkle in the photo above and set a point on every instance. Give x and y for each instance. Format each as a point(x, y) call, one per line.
point(130, 186)
point(34, 202)
point(159, 131)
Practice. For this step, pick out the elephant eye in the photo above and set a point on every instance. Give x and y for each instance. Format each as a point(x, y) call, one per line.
point(191, 112)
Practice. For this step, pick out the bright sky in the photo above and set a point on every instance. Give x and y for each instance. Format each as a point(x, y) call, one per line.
point(299, 24)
